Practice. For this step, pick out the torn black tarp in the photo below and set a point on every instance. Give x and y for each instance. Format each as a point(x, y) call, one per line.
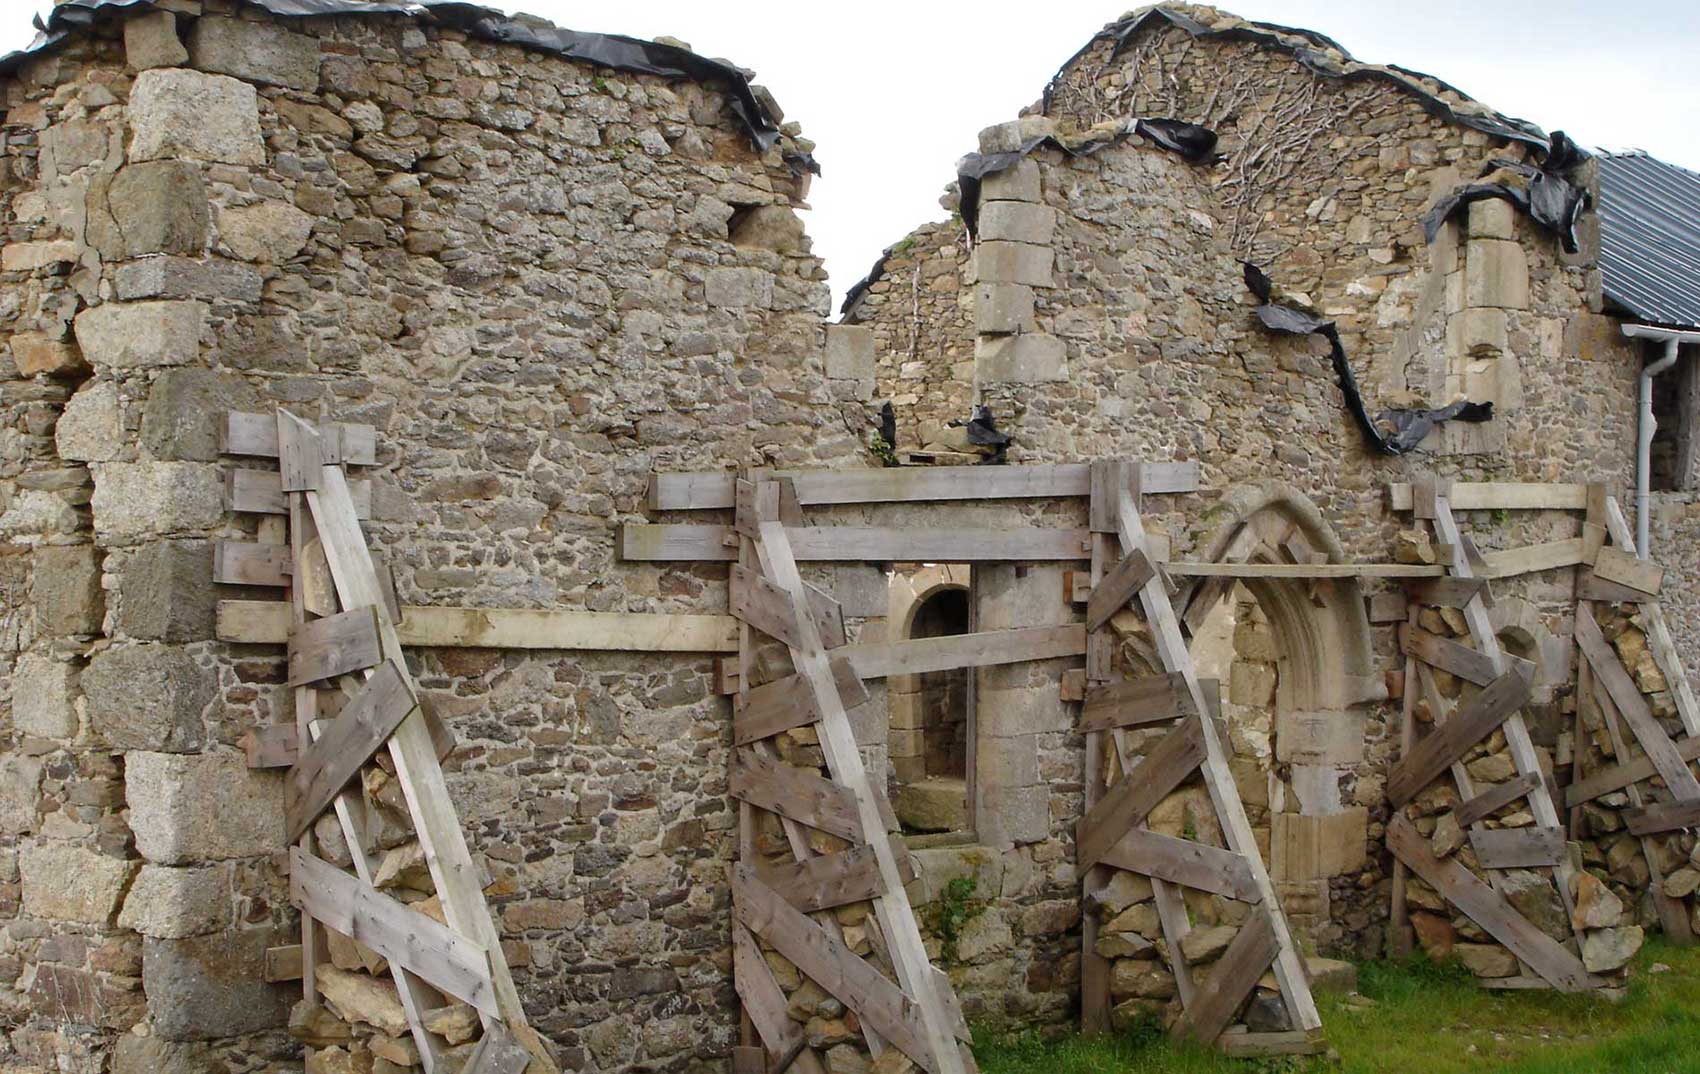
point(603, 50)
point(1550, 199)
point(1391, 432)
point(1194, 144)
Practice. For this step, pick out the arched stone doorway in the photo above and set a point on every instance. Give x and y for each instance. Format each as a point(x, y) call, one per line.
point(931, 713)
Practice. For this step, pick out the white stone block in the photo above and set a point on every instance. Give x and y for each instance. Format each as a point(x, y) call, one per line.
point(849, 352)
point(1017, 221)
point(1029, 358)
point(44, 702)
point(71, 883)
point(1018, 183)
point(180, 113)
point(1013, 262)
point(137, 499)
point(202, 807)
point(1496, 274)
point(141, 335)
point(1003, 308)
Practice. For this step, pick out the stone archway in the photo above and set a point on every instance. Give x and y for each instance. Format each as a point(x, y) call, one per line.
point(930, 738)
point(1299, 674)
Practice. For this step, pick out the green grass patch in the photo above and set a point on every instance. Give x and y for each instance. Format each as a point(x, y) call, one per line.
point(1416, 1016)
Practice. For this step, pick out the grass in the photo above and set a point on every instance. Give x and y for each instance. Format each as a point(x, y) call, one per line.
point(1432, 1019)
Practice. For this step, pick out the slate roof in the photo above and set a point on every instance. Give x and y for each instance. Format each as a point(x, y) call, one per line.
point(1650, 239)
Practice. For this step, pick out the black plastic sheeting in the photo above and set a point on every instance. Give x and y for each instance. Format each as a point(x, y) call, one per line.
point(1514, 130)
point(1391, 432)
point(603, 50)
point(1550, 199)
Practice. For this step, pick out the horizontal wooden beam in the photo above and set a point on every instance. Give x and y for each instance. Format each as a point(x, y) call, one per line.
point(795, 793)
point(645, 542)
point(1306, 570)
point(336, 645)
point(265, 622)
point(1518, 848)
point(1185, 862)
point(829, 880)
point(1620, 776)
point(251, 563)
point(1449, 592)
point(1147, 699)
point(449, 961)
point(260, 492)
point(984, 649)
point(1663, 817)
point(283, 963)
point(1494, 799)
point(902, 484)
point(1623, 568)
point(1552, 555)
point(790, 702)
point(1501, 495)
point(256, 435)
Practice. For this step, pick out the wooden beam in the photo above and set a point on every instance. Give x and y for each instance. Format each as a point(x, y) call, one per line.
point(1611, 678)
point(792, 792)
point(777, 706)
point(901, 484)
point(1118, 586)
point(256, 435)
point(1230, 981)
point(260, 492)
point(1494, 799)
point(1501, 495)
point(856, 544)
point(1148, 699)
point(251, 563)
point(1305, 570)
point(283, 963)
point(1490, 910)
point(764, 606)
point(266, 622)
point(1468, 664)
point(1518, 848)
point(1475, 720)
point(1625, 569)
point(1622, 775)
point(272, 746)
point(1446, 592)
point(1254, 1045)
point(498, 1052)
point(830, 880)
point(1531, 558)
point(984, 649)
point(1138, 792)
point(1659, 640)
point(1186, 862)
point(359, 731)
point(338, 644)
point(1663, 817)
point(449, 961)
point(764, 1001)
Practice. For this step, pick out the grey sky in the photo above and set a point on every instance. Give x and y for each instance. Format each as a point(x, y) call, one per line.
point(895, 90)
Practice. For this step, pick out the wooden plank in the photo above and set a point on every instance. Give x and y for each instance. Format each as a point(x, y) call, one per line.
point(1663, 817)
point(791, 792)
point(260, 492)
point(1623, 568)
point(765, 607)
point(300, 455)
point(984, 649)
point(1389, 607)
point(702, 491)
point(1118, 586)
point(1489, 909)
point(777, 706)
point(1475, 719)
point(1531, 558)
point(1494, 799)
point(1183, 861)
point(830, 880)
point(1447, 655)
point(1611, 677)
point(1501, 495)
point(856, 544)
point(283, 963)
point(825, 959)
point(449, 961)
point(497, 1052)
point(1518, 848)
point(1658, 633)
point(359, 731)
point(272, 746)
point(335, 645)
point(256, 435)
point(764, 1001)
point(265, 622)
point(1592, 588)
point(1229, 982)
point(1305, 570)
point(250, 563)
point(1446, 592)
point(1148, 699)
point(1165, 767)
point(1620, 776)
point(1255, 1045)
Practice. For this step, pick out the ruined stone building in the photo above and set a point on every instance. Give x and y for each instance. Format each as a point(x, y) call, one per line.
point(543, 272)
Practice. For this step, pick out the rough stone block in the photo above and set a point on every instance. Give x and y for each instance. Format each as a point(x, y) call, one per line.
point(849, 352)
point(1496, 273)
point(180, 277)
point(1492, 218)
point(268, 232)
point(1319, 737)
point(35, 353)
point(65, 589)
point(148, 697)
point(1011, 596)
point(145, 498)
point(62, 882)
point(154, 207)
point(932, 805)
point(1013, 262)
point(141, 335)
point(29, 256)
point(1021, 814)
point(255, 52)
point(860, 589)
point(89, 998)
point(181, 113)
point(92, 428)
point(151, 1055)
point(1251, 683)
point(1010, 136)
point(207, 987)
point(171, 903)
point(739, 287)
point(1017, 221)
point(1478, 333)
point(184, 407)
point(1028, 358)
point(1002, 308)
point(1019, 710)
point(1007, 762)
point(151, 41)
point(44, 697)
point(1018, 183)
point(202, 807)
point(20, 790)
point(1313, 848)
point(76, 144)
point(936, 867)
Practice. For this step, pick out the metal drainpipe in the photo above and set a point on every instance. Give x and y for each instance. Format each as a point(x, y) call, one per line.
point(1646, 424)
